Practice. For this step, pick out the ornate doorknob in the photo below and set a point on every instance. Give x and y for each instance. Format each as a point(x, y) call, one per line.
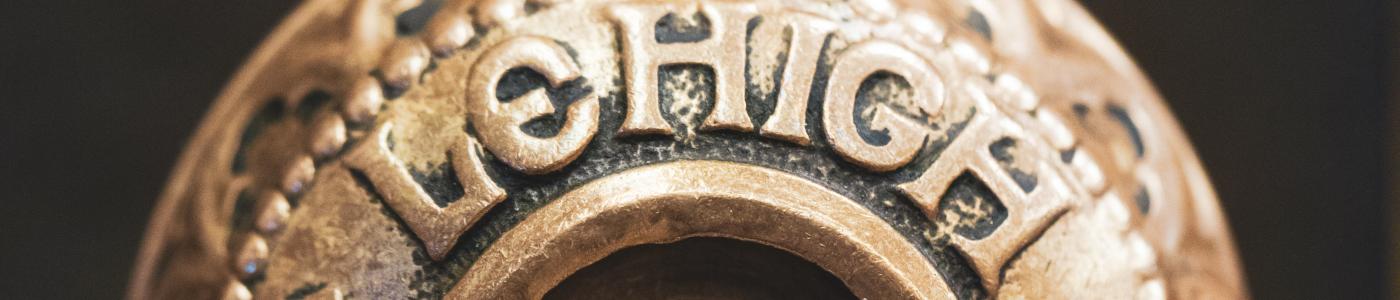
point(714, 149)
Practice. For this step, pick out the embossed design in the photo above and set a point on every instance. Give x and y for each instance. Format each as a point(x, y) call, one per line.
point(499, 124)
point(261, 204)
point(855, 65)
point(912, 115)
point(438, 227)
point(169, 267)
point(805, 38)
point(723, 51)
point(1028, 213)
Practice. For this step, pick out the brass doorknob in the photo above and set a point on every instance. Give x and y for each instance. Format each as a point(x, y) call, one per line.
point(698, 149)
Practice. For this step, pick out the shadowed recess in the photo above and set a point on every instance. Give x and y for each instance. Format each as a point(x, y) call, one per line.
point(520, 81)
point(414, 19)
point(270, 112)
point(978, 22)
point(687, 95)
point(1143, 200)
point(306, 291)
point(1004, 150)
point(313, 101)
point(881, 87)
point(674, 29)
point(242, 218)
point(970, 208)
point(701, 268)
point(1121, 115)
point(440, 183)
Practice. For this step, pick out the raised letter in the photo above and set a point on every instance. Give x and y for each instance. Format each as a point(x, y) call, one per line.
point(853, 66)
point(1029, 214)
point(437, 227)
point(498, 124)
point(722, 50)
point(789, 119)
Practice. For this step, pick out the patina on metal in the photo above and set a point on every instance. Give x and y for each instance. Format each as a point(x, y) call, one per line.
point(562, 149)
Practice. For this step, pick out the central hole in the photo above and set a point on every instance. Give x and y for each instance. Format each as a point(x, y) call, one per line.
point(702, 268)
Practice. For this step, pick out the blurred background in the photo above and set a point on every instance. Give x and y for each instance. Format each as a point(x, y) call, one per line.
point(1286, 102)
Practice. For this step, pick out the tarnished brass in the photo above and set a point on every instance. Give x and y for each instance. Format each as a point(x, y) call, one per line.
point(560, 149)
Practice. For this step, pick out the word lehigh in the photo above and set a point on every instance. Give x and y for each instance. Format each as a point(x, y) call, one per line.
point(1029, 208)
point(498, 123)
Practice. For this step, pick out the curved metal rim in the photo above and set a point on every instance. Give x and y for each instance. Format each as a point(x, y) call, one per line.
point(672, 201)
point(229, 100)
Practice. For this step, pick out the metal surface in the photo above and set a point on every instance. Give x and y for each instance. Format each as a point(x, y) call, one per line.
point(493, 149)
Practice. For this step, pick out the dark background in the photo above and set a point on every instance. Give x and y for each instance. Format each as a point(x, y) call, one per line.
point(1285, 101)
